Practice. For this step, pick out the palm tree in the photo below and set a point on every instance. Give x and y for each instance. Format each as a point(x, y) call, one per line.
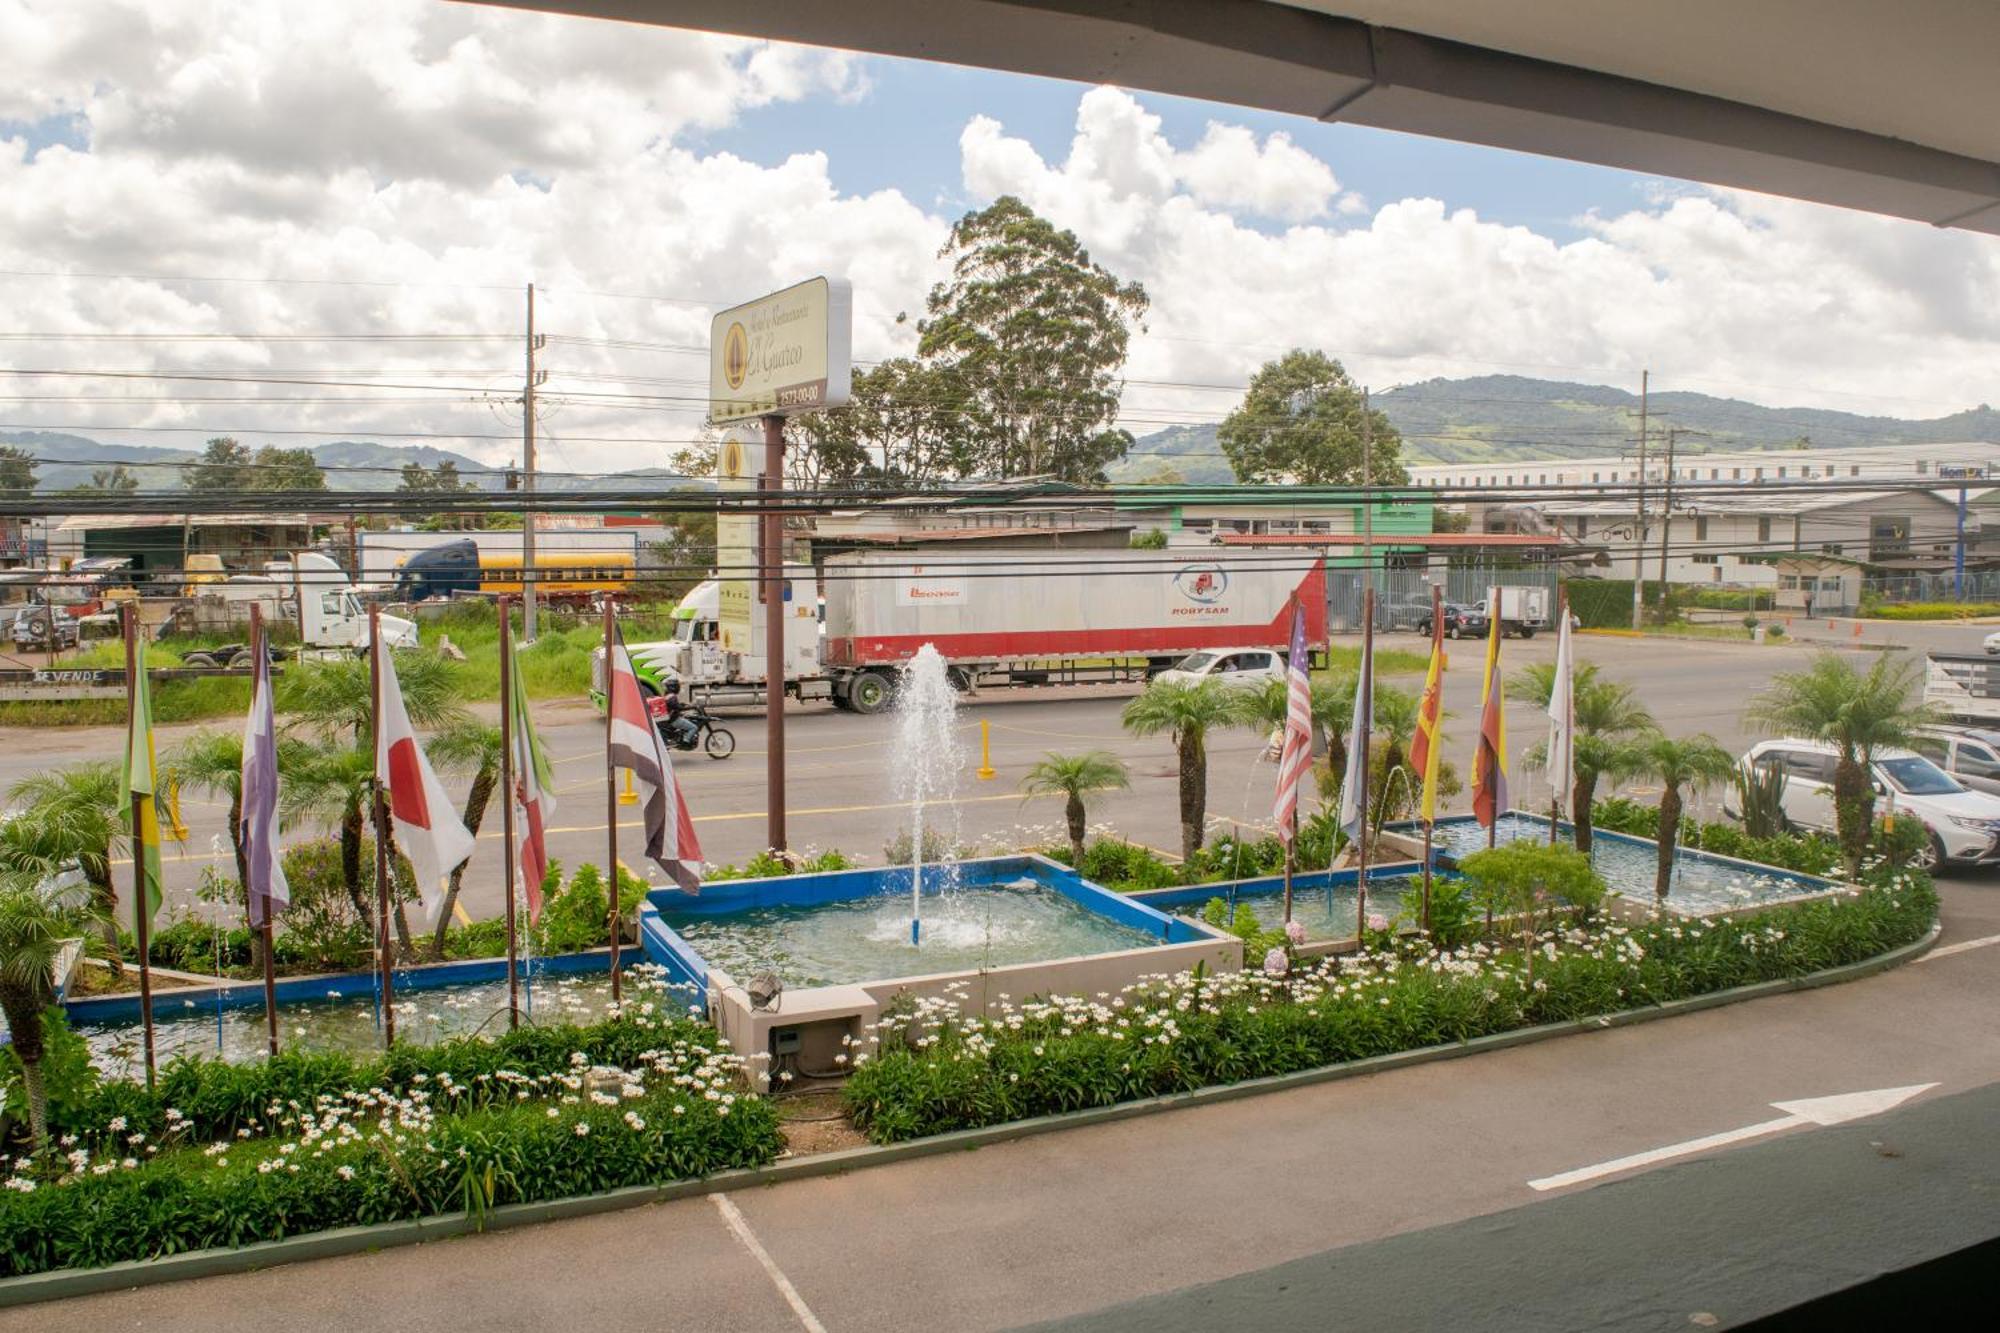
point(1607, 714)
point(1071, 776)
point(1188, 713)
point(468, 747)
point(73, 814)
point(1857, 713)
point(335, 787)
point(1693, 764)
point(38, 913)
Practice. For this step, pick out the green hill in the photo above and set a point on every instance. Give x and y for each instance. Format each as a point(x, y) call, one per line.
point(1510, 417)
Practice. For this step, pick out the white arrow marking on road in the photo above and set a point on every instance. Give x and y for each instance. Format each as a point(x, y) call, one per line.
point(1812, 1111)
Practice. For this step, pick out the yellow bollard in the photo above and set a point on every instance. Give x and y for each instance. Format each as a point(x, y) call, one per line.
point(628, 796)
point(985, 749)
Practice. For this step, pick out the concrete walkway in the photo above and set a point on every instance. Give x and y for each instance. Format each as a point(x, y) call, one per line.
point(1069, 1224)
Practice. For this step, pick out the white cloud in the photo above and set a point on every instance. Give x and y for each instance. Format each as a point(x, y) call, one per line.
point(435, 157)
point(417, 162)
point(1726, 292)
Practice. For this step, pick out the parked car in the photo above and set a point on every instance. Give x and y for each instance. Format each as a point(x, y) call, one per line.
point(48, 627)
point(1394, 613)
point(1231, 666)
point(1970, 754)
point(1964, 825)
point(1992, 642)
point(1460, 621)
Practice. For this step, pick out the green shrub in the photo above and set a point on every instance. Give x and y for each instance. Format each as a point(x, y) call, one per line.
point(1198, 1030)
point(462, 1127)
point(1244, 925)
point(578, 915)
point(1932, 610)
point(320, 931)
point(1621, 814)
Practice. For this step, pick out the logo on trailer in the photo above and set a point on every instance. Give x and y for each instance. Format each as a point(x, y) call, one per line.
point(1203, 585)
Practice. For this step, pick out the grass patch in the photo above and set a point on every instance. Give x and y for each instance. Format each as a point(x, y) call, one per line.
point(1932, 611)
point(1388, 661)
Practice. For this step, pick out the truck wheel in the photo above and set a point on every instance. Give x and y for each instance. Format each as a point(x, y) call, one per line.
point(200, 660)
point(1527, 631)
point(242, 657)
point(868, 692)
point(960, 680)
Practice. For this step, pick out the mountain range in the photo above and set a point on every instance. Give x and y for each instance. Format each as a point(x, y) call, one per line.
point(68, 460)
point(1506, 418)
point(1501, 418)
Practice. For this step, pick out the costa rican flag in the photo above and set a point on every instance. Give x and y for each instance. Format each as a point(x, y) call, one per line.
point(635, 745)
point(1296, 756)
point(427, 829)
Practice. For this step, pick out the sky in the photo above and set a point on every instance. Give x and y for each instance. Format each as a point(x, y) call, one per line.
point(355, 195)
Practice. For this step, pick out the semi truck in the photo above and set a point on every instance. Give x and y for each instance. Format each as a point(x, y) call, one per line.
point(998, 619)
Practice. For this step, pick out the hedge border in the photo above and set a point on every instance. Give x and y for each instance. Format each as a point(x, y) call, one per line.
point(66, 1283)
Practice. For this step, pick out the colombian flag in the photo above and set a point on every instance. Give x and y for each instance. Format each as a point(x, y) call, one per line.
point(1424, 749)
point(1489, 762)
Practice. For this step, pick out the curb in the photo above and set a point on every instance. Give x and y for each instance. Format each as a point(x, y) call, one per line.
point(66, 1283)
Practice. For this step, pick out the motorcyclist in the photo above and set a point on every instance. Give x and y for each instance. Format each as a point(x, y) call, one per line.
point(680, 727)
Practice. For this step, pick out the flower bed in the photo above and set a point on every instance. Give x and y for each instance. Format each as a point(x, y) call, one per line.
point(933, 1069)
point(225, 1155)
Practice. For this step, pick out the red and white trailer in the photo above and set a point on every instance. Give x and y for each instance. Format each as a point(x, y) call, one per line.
point(1056, 617)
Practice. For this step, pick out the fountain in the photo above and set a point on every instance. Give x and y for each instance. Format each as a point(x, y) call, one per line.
point(926, 758)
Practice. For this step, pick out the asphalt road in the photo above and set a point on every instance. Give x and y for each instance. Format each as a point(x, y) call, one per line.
point(841, 790)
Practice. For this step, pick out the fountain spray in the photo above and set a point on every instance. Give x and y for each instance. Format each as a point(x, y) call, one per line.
point(926, 757)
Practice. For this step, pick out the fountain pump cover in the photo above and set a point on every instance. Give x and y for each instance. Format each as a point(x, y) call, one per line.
point(765, 988)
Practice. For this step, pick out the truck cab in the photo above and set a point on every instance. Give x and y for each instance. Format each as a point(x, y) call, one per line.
point(332, 612)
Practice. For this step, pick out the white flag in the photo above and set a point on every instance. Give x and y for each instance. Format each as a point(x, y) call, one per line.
point(428, 830)
point(1351, 812)
point(1562, 716)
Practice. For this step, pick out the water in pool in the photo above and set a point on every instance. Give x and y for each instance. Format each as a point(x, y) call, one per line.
point(1311, 909)
point(1701, 883)
point(346, 1020)
point(868, 938)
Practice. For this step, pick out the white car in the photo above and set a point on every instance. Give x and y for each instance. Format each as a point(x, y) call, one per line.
point(1247, 667)
point(1964, 825)
point(1992, 642)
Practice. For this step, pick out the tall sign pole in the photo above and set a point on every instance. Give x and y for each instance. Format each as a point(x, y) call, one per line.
point(771, 580)
point(784, 353)
point(1639, 517)
point(1367, 739)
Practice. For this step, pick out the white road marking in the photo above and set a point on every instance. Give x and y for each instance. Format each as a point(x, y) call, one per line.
point(1960, 947)
point(741, 1226)
point(1812, 1111)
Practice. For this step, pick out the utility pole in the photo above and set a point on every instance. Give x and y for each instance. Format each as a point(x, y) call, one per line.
point(1639, 518)
point(1367, 508)
point(1666, 519)
point(528, 385)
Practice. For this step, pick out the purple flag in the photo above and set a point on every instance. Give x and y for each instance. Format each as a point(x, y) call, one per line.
point(265, 877)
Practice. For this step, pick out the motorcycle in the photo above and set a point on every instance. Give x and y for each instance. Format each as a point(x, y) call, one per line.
point(698, 730)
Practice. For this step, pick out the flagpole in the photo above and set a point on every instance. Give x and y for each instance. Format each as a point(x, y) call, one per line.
point(141, 926)
point(507, 808)
point(1493, 683)
point(260, 669)
point(1288, 837)
point(1563, 646)
point(382, 938)
point(611, 794)
point(1430, 812)
point(1367, 735)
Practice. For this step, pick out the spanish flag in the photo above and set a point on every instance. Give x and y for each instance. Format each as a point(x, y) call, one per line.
point(1426, 746)
point(1489, 762)
point(142, 778)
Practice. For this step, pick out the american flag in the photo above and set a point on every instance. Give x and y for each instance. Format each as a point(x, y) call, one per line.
point(1297, 754)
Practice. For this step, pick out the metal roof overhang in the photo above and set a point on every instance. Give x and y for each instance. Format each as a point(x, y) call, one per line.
point(1890, 109)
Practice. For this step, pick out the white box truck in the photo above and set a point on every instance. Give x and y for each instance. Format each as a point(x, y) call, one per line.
point(1523, 609)
point(999, 619)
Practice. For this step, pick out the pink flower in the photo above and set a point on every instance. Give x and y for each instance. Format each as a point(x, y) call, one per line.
point(1276, 963)
point(1376, 921)
point(1295, 931)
